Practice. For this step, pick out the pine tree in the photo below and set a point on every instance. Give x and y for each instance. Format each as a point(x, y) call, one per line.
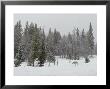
point(69, 48)
point(84, 45)
point(18, 48)
point(50, 47)
point(25, 40)
point(90, 39)
point(30, 42)
point(42, 56)
point(63, 47)
point(50, 41)
point(78, 43)
point(36, 44)
point(57, 38)
point(17, 37)
point(74, 45)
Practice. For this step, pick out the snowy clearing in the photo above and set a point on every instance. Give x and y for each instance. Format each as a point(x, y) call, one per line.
point(64, 68)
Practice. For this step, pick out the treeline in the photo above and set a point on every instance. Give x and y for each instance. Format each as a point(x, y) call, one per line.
point(31, 44)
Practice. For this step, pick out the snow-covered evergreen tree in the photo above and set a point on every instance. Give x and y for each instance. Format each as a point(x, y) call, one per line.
point(57, 38)
point(17, 37)
point(18, 48)
point(84, 46)
point(50, 41)
point(30, 41)
point(36, 44)
point(42, 56)
point(25, 40)
point(83, 43)
point(74, 45)
point(69, 47)
point(90, 39)
point(63, 47)
point(78, 43)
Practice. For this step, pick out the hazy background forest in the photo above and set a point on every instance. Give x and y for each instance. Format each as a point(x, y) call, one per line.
point(37, 43)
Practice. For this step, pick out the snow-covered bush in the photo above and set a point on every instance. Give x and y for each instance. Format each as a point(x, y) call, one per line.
point(87, 60)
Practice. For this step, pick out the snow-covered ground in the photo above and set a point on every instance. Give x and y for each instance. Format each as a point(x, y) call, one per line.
point(64, 68)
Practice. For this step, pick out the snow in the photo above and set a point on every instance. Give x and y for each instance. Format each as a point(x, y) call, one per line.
point(64, 68)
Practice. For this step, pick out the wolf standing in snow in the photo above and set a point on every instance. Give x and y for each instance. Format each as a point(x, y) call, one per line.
point(75, 63)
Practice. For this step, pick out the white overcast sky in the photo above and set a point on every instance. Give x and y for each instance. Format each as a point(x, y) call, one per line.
point(64, 23)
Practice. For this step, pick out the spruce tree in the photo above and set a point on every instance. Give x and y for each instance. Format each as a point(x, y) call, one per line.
point(90, 39)
point(42, 56)
point(83, 43)
point(78, 43)
point(35, 44)
point(63, 47)
point(17, 37)
point(69, 49)
point(84, 46)
point(18, 48)
point(57, 38)
point(50, 41)
point(25, 41)
point(30, 42)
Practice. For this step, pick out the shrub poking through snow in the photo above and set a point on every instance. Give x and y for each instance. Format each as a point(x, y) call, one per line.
point(87, 60)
